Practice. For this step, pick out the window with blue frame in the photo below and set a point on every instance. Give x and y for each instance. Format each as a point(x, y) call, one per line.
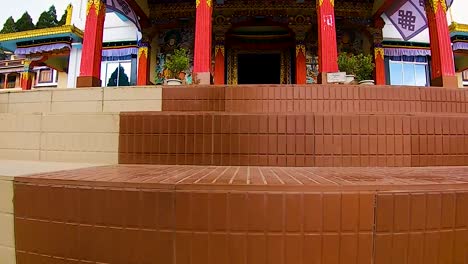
point(409, 70)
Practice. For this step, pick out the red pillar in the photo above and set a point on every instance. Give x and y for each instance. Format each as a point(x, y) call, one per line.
point(219, 65)
point(90, 71)
point(26, 78)
point(203, 30)
point(379, 66)
point(327, 47)
point(143, 65)
point(301, 68)
point(5, 81)
point(443, 66)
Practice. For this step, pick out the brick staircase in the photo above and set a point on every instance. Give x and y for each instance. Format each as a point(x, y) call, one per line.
point(300, 126)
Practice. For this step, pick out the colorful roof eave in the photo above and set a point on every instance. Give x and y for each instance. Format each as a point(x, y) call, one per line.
point(461, 55)
point(8, 41)
point(457, 29)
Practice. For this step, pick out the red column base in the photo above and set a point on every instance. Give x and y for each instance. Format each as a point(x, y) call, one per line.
point(87, 81)
point(203, 78)
point(446, 82)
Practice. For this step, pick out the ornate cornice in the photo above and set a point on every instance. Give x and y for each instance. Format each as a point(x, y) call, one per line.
point(41, 33)
point(347, 9)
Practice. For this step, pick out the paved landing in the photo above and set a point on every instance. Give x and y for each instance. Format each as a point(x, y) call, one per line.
point(14, 168)
point(261, 178)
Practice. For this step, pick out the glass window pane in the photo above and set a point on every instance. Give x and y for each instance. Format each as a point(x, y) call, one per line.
point(112, 74)
point(421, 75)
point(408, 74)
point(125, 71)
point(396, 76)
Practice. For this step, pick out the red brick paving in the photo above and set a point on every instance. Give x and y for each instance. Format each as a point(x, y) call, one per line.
point(264, 178)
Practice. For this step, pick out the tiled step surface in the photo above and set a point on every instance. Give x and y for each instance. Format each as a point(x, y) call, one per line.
point(315, 99)
point(299, 139)
point(198, 214)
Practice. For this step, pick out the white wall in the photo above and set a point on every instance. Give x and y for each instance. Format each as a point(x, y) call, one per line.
point(79, 13)
point(457, 12)
point(74, 64)
point(117, 30)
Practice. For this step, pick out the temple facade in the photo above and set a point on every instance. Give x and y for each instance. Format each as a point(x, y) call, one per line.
point(124, 43)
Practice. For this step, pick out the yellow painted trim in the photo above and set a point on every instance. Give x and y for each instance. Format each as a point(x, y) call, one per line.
point(434, 5)
point(69, 15)
point(379, 52)
point(332, 2)
point(300, 48)
point(41, 33)
point(197, 3)
point(98, 6)
point(455, 27)
point(219, 48)
point(143, 51)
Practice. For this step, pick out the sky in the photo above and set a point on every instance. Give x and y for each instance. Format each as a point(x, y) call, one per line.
point(34, 8)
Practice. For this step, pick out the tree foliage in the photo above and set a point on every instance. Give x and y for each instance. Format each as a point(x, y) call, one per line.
point(3, 55)
point(118, 78)
point(9, 26)
point(25, 23)
point(48, 18)
point(63, 19)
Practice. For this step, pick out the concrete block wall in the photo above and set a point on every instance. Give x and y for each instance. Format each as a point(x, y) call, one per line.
point(7, 237)
point(82, 100)
point(67, 137)
point(69, 125)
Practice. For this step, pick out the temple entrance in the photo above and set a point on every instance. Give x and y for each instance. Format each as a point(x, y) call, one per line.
point(259, 51)
point(259, 68)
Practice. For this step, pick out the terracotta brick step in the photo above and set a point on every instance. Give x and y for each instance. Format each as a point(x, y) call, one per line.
point(202, 214)
point(294, 140)
point(315, 99)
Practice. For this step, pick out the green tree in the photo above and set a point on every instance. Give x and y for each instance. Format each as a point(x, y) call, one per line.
point(119, 78)
point(63, 19)
point(25, 23)
point(2, 54)
point(48, 18)
point(9, 26)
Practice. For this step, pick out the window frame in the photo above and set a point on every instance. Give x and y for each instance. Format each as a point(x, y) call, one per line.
point(413, 63)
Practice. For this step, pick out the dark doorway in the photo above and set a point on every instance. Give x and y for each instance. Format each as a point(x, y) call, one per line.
point(259, 68)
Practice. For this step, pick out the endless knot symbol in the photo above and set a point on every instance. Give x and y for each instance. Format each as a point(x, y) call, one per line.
point(421, 3)
point(406, 20)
